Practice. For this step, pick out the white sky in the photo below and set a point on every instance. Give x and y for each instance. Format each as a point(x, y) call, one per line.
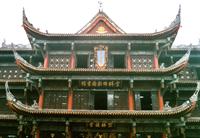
point(68, 16)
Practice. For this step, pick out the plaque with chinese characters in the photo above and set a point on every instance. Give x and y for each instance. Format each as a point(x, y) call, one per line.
point(97, 124)
point(113, 84)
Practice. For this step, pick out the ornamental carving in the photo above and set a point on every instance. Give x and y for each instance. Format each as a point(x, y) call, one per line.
point(101, 30)
point(101, 57)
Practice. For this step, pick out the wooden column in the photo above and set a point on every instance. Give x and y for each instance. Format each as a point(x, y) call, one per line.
point(160, 99)
point(130, 100)
point(128, 57)
point(70, 96)
point(25, 96)
point(70, 99)
point(156, 65)
point(182, 127)
point(41, 97)
point(35, 130)
point(133, 131)
point(68, 133)
point(167, 132)
point(20, 132)
point(46, 61)
point(72, 63)
point(131, 96)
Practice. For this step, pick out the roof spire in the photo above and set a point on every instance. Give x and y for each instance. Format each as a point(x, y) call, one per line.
point(100, 5)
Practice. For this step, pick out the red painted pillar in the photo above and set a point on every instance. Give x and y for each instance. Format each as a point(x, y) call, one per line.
point(46, 61)
point(129, 60)
point(72, 61)
point(70, 92)
point(41, 97)
point(156, 65)
point(130, 100)
point(160, 99)
point(70, 99)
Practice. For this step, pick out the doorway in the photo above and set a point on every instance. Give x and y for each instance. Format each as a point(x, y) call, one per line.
point(82, 61)
point(100, 100)
point(119, 61)
point(146, 101)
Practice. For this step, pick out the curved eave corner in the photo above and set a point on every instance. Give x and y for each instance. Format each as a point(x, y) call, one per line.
point(178, 111)
point(171, 31)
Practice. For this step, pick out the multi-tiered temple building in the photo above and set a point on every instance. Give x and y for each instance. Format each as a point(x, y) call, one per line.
point(100, 82)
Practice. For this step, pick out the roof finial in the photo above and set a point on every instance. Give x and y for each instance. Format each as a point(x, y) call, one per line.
point(100, 6)
point(24, 15)
point(23, 11)
point(179, 11)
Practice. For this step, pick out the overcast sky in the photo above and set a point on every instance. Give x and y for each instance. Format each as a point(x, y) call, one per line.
point(68, 16)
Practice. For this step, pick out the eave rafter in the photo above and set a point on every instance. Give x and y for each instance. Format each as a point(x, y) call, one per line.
point(175, 68)
point(178, 111)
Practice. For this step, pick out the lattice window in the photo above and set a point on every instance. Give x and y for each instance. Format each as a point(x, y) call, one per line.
point(81, 100)
point(55, 99)
point(188, 74)
point(58, 61)
point(142, 61)
point(117, 100)
point(120, 100)
point(11, 73)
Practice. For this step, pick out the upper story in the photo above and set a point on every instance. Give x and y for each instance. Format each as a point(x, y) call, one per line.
point(101, 44)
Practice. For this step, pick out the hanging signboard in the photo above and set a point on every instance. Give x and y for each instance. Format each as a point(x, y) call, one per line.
point(97, 124)
point(112, 84)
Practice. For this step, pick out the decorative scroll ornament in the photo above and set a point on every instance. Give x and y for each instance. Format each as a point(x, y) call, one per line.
point(184, 58)
point(101, 30)
point(194, 97)
point(101, 57)
point(9, 95)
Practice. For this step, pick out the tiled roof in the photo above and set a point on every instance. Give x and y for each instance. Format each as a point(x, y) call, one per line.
point(171, 30)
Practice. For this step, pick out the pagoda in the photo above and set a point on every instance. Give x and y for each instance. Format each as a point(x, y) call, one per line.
point(100, 82)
